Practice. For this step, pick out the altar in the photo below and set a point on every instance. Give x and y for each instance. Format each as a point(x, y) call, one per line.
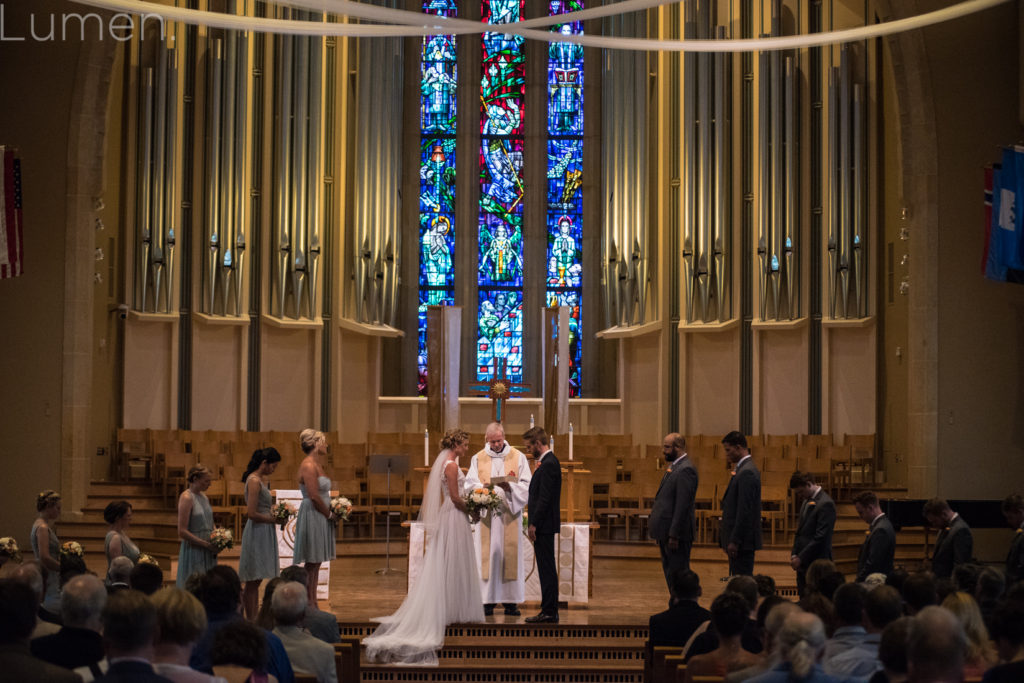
point(572, 549)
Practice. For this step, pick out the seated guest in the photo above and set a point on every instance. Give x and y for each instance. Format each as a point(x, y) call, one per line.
point(851, 651)
point(308, 654)
point(882, 606)
point(129, 629)
point(765, 586)
point(1008, 635)
point(919, 591)
point(265, 617)
point(817, 604)
point(146, 577)
point(675, 625)
point(18, 607)
point(935, 647)
point(240, 653)
point(729, 614)
point(816, 572)
point(980, 655)
point(79, 642)
point(892, 652)
point(320, 624)
point(987, 591)
point(771, 615)
point(30, 574)
point(119, 574)
point(801, 642)
point(182, 620)
point(220, 591)
point(965, 577)
point(705, 640)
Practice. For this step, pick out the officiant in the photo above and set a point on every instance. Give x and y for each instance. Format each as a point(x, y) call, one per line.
point(498, 536)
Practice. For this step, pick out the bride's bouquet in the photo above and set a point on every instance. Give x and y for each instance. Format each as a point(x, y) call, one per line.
point(341, 508)
point(482, 501)
point(221, 539)
point(282, 512)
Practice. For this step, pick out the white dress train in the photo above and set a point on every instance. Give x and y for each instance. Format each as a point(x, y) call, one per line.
point(447, 591)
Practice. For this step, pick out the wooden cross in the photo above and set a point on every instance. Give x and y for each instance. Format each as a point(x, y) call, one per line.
point(499, 389)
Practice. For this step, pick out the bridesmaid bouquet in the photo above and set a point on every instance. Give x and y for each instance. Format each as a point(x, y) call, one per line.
point(9, 549)
point(71, 549)
point(482, 501)
point(341, 508)
point(221, 539)
point(282, 512)
point(147, 559)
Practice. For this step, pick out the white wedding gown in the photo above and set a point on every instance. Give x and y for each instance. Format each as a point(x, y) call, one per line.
point(447, 591)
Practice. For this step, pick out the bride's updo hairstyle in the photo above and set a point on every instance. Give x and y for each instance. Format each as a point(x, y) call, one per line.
point(453, 438)
point(309, 439)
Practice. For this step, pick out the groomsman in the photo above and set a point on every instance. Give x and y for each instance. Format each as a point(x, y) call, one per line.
point(877, 554)
point(954, 545)
point(672, 522)
point(1013, 511)
point(543, 508)
point(740, 532)
point(813, 539)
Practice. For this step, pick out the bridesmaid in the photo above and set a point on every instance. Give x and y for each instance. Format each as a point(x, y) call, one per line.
point(314, 535)
point(259, 558)
point(119, 516)
point(46, 547)
point(195, 524)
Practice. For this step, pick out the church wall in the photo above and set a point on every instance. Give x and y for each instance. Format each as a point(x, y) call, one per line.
point(290, 378)
point(150, 374)
point(219, 376)
point(780, 380)
point(710, 402)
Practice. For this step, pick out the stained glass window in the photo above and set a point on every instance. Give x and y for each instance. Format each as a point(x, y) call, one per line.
point(565, 181)
point(500, 223)
point(438, 76)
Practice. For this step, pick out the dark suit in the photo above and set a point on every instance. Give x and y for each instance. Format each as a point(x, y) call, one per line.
point(675, 625)
point(543, 505)
point(1005, 673)
point(879, 549)
point(18, 664)
point(741, 517)
point(672, 516)
point(126, 671)
point(813, 539)
point(954, 546)
point(69, 647)
point(1015, 559)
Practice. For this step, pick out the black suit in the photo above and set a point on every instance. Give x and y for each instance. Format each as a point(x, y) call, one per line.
point(1015, 559)
point(132, 672)
point(675, 625)
point(69, 647)
point(879, 549)
point(1005, 673)
point(543, 505)
point(813, 539)
point(18, 664)
point(672, 516)
point(741, 517)
point(953, 547)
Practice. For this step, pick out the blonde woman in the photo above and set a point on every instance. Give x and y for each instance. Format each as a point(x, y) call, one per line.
point(195, 524)
point(980, 655)
point(314, 535)
point(182, 621)
point(46, 547)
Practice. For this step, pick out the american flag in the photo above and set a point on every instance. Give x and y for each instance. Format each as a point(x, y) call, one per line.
point(11, 240)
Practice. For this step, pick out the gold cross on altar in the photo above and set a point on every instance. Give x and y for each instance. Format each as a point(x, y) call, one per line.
point(499, 389)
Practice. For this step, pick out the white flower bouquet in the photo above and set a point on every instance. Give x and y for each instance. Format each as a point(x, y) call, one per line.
point(341, 508)
point(9, 549)
point(71, 549)
point(282, 512)
point(482, 501)
point(221, 539)
point(147, 559)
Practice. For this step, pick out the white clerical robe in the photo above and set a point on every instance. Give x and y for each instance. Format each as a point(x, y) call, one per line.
point(495, 589)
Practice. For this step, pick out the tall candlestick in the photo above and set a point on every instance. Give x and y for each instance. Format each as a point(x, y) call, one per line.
point(426, 448)
point(570, 440)
point(552, 443)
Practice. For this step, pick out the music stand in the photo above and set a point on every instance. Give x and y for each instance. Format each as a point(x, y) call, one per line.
point(382, 463)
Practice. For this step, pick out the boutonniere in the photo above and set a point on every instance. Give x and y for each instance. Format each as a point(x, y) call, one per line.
point(1020, 531)
point(945, 528)
point(732, 473)
point(811, 503)
point(868, 532)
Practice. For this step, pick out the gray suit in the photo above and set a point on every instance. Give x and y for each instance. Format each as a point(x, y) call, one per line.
point(741, 517)
point(953, 546)
point(672, 516)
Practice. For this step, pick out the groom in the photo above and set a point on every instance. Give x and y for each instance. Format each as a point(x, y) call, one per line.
point(543, 506)
point(502, 578)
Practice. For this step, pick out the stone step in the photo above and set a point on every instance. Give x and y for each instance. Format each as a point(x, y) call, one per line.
point(562, 671)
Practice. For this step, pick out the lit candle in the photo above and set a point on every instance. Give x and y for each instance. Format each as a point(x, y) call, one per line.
point(570, 440)
point(552, 443)
point(531, 420)
point(426, 448)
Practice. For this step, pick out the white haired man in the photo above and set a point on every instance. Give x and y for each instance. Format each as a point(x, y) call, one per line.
point(308, 655)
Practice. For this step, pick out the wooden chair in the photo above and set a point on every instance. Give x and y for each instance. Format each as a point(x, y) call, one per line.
point(217, 493)
point(775, 508)
point(755, 440)
point(648, 480)
point(781, 440)
point(771, 458)
point(346, 659)
point(655, 661)
point(172, 467)
point(132, 445)
point(862, 456)
point(839, 467)
point(803, 456)
point(383, 504)
point(707, 518)
point(818, 440)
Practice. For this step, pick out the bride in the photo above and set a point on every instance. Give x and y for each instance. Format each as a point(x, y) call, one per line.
point(448, 588)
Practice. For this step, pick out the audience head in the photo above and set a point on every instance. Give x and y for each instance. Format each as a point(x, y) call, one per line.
point(219, 590)
point(259, 456)
point(265, 618)
point(18, 605)
point(116, 511)
point(685, 585)
point(774, 617)
point(820, 606)
point(729, 614)
point(849, 604)
point(288, 603)
point(120, 569)
point(828, 584)
point(82, 602)
point(801, 641)
point(1013, 509)
point(990, 585)
point(47, 499)
point(965, 609)
point(919, 591)
point(454, 438)
point(30, 574)
point(746, 587)
point(1008, 629)
point(892, 649)
point(70, 567)
point(129, 625)
point(882, 606)
point(867, 506)
point(897, 578)
point(146, 577)
point(935, 647)
point(873, 580)
point(965, 576)
point(180, 616)
point(765, 585)
point(312, 439)
point(240, 643)
point(817, 571)
point(295, 573)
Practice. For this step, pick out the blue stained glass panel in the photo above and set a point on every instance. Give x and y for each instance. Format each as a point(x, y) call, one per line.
point(501, 332)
